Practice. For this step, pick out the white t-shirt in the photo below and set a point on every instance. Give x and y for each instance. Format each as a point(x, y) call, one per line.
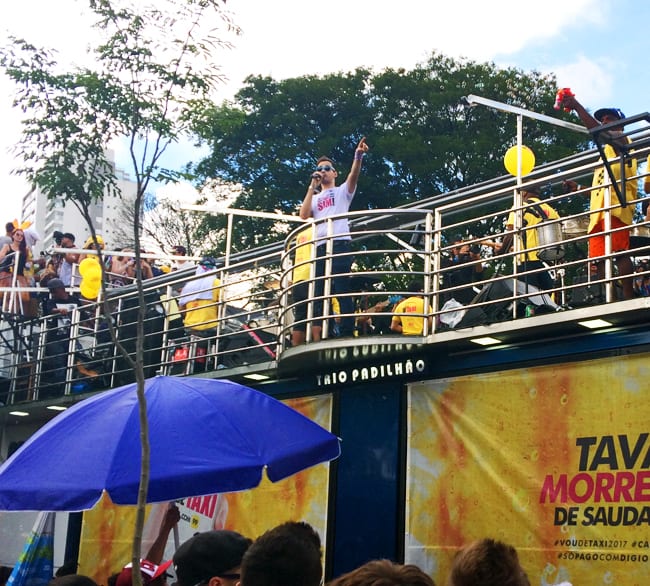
point(65, 320)
point(332, 202)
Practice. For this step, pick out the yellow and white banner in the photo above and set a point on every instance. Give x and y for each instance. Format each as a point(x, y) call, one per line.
point(554, 460)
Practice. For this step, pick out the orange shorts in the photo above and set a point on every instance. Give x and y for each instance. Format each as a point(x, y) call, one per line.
point(620, 239)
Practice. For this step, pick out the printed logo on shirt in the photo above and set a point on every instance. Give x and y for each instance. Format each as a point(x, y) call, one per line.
point(325, 202)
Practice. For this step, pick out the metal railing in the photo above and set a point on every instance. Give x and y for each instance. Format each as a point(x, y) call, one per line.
point(251, 309)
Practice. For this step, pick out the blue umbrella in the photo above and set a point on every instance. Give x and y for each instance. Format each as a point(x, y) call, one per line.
point(206, 436)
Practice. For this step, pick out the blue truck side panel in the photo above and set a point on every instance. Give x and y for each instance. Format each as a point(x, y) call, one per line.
point(367, 507)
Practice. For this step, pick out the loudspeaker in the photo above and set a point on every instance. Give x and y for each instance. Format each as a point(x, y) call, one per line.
point(500, 293)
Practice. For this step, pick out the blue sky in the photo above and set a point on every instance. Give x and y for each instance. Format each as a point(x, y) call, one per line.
point(599, 48)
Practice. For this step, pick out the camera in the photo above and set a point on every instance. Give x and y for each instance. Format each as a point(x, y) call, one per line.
point(58, 237)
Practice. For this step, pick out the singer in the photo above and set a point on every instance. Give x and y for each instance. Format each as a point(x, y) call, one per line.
point(322, 200)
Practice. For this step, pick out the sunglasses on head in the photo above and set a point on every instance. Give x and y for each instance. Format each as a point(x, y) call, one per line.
point(324, 168)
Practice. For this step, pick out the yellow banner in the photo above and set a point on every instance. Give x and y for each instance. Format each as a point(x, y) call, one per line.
point(301, 497)
point(553, 460)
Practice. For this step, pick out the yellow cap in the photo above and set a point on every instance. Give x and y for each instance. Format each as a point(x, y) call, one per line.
point(90, 244)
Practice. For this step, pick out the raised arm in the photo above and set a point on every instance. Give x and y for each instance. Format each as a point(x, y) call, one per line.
point(587, 119)
point(353, 176)
point(613, 136)
point(157, 549)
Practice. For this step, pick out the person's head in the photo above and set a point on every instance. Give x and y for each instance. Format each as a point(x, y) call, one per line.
point(384, 573)
point(179, 250)
point(152, 574)
point(487, 563)
point(608, 115)
point(18, 237)
point(460, 247)
point(287, 555)
point(325, 166)
point(73, 580)
point(212, 558)
point(90, 243)
point(68, 568)
point(415, 286)
point(57, 288)
point(67, 240)
point(207, 263)
point(5, 572)
point(9, 228)
point(530, 192)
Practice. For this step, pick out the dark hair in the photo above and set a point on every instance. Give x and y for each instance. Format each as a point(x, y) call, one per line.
point(384, 573)
point(415, 286)
point(287, 555)
point(22, 247)
point(5, 571)
point(323, 159)
point(208, 554)
point(9, 227)
point(532, 189)
point(69, 236)
point(69, 566)
point(487, 563)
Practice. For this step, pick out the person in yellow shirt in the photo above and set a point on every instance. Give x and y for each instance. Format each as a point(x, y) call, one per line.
point(620, 216)
point(300, 276)
point(535, 213)
point(409, 318)
point(199, 298)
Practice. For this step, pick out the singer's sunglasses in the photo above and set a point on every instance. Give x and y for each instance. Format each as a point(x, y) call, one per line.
point(325, 168)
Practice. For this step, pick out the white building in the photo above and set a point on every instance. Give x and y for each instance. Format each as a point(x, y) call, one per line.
point(50, 215)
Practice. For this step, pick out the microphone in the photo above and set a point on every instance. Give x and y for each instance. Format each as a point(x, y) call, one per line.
point(315, 176)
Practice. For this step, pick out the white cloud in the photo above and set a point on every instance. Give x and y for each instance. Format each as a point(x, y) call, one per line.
point(287, 38)
point(181, 192)
point(592, 81)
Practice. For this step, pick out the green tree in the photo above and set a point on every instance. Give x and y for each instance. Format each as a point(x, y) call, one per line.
point(423, 140)
point(154, 65)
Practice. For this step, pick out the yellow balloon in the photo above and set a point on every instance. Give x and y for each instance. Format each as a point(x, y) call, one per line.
point(88, 290)
point(527, 160)
point(87, 264)
point(93, 278)
point(93, 270)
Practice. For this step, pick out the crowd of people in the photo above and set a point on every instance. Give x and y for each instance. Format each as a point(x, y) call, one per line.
point(290, 554)
point(49, 286)
point(22, 267)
